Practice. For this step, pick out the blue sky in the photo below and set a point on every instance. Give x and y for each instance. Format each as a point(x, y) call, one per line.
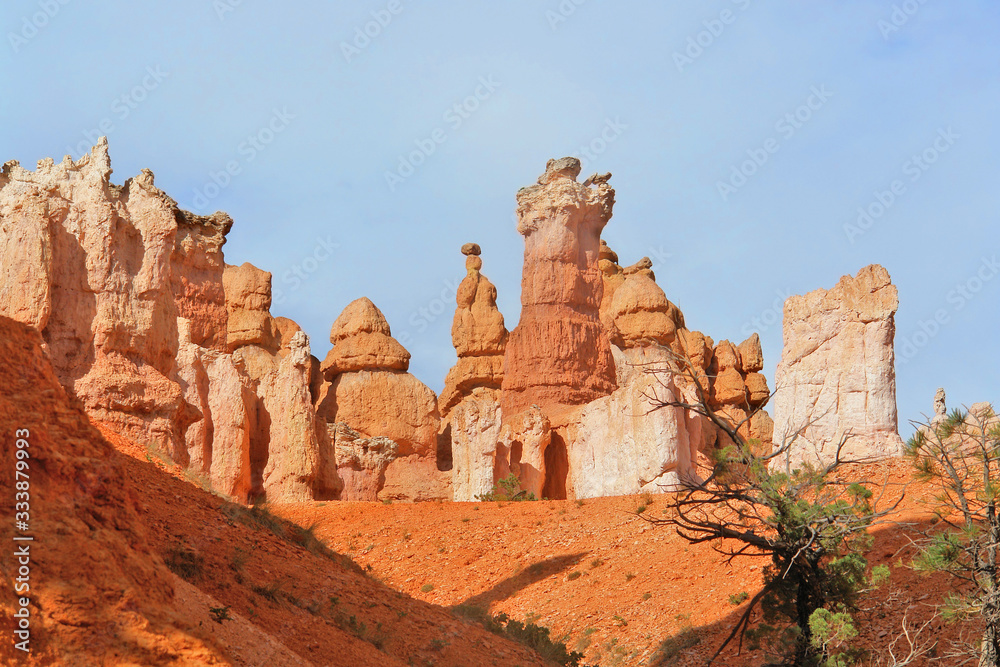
point(743, 136)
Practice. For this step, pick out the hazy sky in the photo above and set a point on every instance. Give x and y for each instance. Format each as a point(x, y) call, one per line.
point(358, 145)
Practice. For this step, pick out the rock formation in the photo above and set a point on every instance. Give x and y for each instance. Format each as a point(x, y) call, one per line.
point(98, 262)
point(368, 389)
point(470, 401)
point(478, 334)
point(139, 314)
point(168, 345)
point(837, 377)
point(940, 408)
point(624, 442)
point(559, 356)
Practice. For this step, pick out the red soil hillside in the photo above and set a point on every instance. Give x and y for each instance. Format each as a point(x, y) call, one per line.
point(105, 519)
point(606, 582)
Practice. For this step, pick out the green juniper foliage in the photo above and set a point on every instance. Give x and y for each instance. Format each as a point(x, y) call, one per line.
point(808, 522)
point(960, 455)
point(508, 488)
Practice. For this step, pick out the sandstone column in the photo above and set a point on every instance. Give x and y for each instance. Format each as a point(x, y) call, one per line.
point(837, 373)
point(559, 356)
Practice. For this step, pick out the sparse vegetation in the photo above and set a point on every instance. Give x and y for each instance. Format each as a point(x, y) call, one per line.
point(507, 489)
point(259, 516)
point(809, 523)
point(220, 614)
point(960, 455)
point(670, 649)
point(575, 574)
point(427, 588)
point(184, 562)
point(736, 599)
point(529, 634)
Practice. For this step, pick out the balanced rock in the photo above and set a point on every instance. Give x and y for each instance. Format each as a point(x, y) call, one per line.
point(559, 354)
point(837, 378)
point(478, 334)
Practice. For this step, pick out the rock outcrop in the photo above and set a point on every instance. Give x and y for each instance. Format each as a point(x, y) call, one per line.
point(836, 378)
point(559, 355)
point(478, 334)
point(368, 389)
point(89, 264)
point(625, 443)
point(139, 314)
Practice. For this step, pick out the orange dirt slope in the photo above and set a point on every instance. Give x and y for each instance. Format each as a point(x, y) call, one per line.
point(106, 518)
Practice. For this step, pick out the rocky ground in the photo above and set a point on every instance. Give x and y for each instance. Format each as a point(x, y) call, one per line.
point(608, 583)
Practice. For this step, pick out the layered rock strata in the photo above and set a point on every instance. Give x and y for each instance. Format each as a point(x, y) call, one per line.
point(559, 355)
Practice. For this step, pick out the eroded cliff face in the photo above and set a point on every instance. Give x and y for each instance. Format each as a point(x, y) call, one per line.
point(837, 377)
point(559, 355)
point(94, 275)
point(140, 317)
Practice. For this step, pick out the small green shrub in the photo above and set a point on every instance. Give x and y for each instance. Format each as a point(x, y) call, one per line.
point(573, 575)
point(508, 488)
point(427, 588)
point(220, 614)
point(737, 599)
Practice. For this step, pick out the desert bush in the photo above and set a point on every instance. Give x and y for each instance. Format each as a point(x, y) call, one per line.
point(184, 562)
point(529, 634)
point(507, 489)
